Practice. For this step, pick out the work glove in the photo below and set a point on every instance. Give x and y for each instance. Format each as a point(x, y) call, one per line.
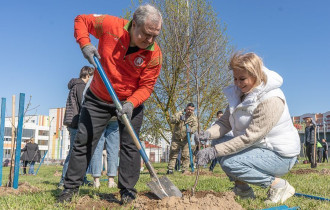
point(206, 155)
point(202, 136)
point(183, 117)
point(188, 129)
point(127, 109)
point(89, 51)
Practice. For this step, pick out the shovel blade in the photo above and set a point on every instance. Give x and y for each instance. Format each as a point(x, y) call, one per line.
point(163, 188)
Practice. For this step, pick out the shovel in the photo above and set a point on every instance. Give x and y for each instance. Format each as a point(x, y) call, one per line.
point(161, 187)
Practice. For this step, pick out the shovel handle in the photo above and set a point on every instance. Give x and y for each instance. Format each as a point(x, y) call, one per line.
point(190, 152)
point(125, 120)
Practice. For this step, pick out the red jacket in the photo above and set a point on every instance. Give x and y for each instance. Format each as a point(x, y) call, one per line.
point(134, 76)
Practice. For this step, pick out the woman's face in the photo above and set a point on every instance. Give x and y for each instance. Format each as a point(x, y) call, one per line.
point(243, 80)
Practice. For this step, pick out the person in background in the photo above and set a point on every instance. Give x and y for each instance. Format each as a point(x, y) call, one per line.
point(76, 88)
point(325, 150)
point(132, 61)
point(215, 160)
point(319, 152)
point(110, 140)
point(265, 145)
point(178, 161)
point(31, 154)
point(6, 163)
point(179, 137)
point(309, 141)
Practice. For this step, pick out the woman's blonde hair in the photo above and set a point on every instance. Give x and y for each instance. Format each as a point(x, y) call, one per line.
point(250, 62)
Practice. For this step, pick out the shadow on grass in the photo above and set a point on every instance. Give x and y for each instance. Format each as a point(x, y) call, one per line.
point(150, 195)
point(50, 183)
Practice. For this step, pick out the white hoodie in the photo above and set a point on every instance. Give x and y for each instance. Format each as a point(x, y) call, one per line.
point(283, 137)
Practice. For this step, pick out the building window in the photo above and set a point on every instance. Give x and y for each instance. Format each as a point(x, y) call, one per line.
point(43, 133)
point(7, 131)
point(43, 142)
point(6, 153)
point(28, 133)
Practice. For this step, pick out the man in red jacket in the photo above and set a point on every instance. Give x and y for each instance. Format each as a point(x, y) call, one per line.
point(132, 61)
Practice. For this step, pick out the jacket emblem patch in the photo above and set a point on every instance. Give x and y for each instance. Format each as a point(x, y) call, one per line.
point(138, 61)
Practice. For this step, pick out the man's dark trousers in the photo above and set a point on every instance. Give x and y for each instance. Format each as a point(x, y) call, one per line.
point(94, 117)
point(310, 153)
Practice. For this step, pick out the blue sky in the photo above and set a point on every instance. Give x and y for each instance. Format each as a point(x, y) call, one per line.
point(39, 54)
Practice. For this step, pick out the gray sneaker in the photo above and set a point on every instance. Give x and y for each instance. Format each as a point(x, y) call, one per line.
point(244, 194)
point(280, 194)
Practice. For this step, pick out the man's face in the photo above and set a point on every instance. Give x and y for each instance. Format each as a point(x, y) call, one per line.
point(144, 35)
point(219, 115)
point(190, 110)
point(308, 121)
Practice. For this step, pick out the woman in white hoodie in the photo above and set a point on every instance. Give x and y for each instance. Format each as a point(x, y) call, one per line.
point(265, 143)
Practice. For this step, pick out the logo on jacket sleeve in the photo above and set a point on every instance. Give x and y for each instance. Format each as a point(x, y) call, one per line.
point(138, 61)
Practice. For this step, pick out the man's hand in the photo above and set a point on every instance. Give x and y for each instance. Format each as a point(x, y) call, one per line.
point(201, 136)
point(206, 155)
point(127, 109)
point(89, 51)
point(183, 117)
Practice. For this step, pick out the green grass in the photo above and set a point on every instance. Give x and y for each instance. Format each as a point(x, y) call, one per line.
point(311, 183)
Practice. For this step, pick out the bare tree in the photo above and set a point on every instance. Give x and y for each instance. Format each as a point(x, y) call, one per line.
point(195, 58)
point(11, 170)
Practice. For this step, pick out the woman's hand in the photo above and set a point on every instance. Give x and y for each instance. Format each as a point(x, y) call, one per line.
point(206, 155)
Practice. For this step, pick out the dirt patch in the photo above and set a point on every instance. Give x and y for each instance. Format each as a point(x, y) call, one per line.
point(304, 171)
point(308, 171)
point(24, 187)
point(201, 200)
point(325, 172)
point(57, 173)
point(205, 173)
point(87, 202)
point(148, 201)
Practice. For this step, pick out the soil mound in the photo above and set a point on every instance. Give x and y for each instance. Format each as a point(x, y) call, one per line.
point(24, 187)
point(204, 173)
point(325, 171)
point(304, 171)
point(147, 201)
point(57, 173)
point(201, 200)
point(308, 171)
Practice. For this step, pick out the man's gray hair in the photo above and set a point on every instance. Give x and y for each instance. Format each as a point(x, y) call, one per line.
point(147, 11)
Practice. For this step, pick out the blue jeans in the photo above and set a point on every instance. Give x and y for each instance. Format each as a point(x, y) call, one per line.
point(256, 166)
point(109, 137)
point(31, 169)
point(72, 132)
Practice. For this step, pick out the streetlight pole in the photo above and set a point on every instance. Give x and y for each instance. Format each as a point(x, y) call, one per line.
point(50, 125)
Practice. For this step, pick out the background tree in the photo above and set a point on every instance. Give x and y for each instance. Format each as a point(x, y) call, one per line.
point(195, 58)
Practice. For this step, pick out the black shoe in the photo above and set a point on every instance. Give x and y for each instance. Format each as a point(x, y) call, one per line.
point(66, 195)
point(169, 171)
point(127, 196)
